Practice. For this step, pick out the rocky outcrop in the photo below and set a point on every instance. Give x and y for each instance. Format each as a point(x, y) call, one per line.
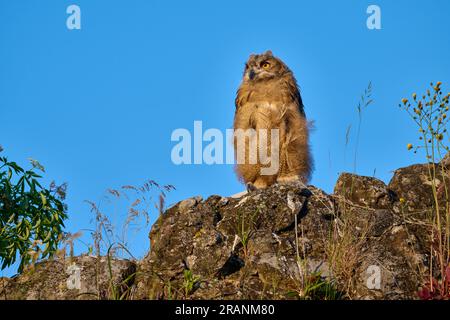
point(367, 240)
point(78, 278)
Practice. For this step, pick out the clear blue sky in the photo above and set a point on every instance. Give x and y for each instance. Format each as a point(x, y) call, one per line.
point(97, 106)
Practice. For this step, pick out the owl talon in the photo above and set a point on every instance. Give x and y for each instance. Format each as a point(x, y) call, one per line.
point(251, 187)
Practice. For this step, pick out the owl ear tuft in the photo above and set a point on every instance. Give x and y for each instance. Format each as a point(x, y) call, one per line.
point(269, 53)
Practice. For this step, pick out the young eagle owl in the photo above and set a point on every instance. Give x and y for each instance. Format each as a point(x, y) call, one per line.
point(269, 98)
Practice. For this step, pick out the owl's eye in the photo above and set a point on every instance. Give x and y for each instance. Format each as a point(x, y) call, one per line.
point(265, 65)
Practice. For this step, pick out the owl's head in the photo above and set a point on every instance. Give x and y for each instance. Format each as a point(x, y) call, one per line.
point(264, 67)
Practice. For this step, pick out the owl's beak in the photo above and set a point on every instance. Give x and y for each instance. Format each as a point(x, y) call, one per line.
point(251, 74)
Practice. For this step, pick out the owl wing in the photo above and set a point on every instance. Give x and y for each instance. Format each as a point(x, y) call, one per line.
point(239, 99)
point(295, 95)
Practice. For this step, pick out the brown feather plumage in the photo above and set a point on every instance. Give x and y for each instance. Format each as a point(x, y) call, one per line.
point(269, 98)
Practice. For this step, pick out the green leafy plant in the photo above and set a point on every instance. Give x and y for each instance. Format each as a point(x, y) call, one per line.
point(31, 217)
point(245, 227)
point(122, 289)
point(311, 285)
point(316, 287)
point(190, 282)
point(430, 114)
